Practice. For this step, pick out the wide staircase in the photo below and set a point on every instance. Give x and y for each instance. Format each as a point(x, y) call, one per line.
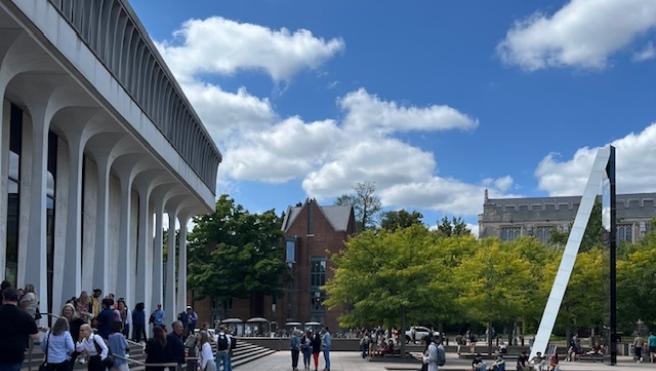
point(243, 354)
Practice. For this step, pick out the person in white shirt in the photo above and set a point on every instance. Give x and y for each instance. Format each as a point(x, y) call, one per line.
point(94, 346)
point(206, 358)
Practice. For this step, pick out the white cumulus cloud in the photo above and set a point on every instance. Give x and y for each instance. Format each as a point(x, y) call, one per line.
point(583, 33)
point(635, 164)
point(367, 111)
point(223, 46)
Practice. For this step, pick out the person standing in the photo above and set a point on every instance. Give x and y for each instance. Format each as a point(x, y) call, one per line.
point(96, 302)
point(105, 319)
point(83, 307)
point(118, 347)
point(16, 326)
point(430, 354)
point(139, 323)
point(174, 346)
point(157, 317)
point(28, 301)
point(206, 359)
point(156, 349)
point(326, 344)
point(95, 348)
point(316, 349)
point(295, 347)
point(74, 322)
point(126, 317)
point(58, 346)
point(191, 346)
point(223, 350)
point(306, 348)
point(193, 319)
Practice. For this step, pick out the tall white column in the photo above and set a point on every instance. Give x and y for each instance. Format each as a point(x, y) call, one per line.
point(182, 265)
point(170, 296)
point(35, 253)
point(101, 254)
point(72, 278)
point(4, 165)
point(144, 253)
point(158, 256)
point(124, 281)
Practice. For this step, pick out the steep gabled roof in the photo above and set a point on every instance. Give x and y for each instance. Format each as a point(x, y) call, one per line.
point(337, 216)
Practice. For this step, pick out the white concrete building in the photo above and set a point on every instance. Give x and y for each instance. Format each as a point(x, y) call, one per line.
point(98, 143)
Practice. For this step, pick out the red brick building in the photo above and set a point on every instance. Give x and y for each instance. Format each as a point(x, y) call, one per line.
point(312, 234)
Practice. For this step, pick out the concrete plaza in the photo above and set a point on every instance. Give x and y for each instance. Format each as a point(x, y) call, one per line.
point(351, 361)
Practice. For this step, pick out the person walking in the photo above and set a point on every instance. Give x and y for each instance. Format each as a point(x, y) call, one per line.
point(94, 347)
point(638, 343)
point(118, 347)
point(295, 347)
point(223, 350)
point(651, 343)
point(105, 319)
point(316, 349)
point(174, 346)
point(326, 344)
point(139, 323)
point(206, 359)
point(306, 349)
point(16, 327)
point(156, 349)
point(58, 346)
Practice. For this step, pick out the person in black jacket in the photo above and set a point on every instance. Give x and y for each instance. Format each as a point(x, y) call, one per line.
point(316, 349)
point(174, 346)
point(138, 323)
point(156, 349)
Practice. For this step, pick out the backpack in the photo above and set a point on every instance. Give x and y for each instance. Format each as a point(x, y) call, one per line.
point(222, 342)
point(441, 357)
point(233, 343)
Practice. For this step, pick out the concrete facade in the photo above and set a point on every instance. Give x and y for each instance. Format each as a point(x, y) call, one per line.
point(97, 139)
point(510, 218)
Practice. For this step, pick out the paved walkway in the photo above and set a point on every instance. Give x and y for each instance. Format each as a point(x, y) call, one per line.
point(351, 361)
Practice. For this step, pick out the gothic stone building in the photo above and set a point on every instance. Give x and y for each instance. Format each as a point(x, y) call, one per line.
point(510, 218)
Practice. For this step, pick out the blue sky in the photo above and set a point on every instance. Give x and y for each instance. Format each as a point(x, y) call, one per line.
point(433, 101)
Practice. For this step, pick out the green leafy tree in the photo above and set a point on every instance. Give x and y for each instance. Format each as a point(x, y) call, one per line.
point(366, 205)
point(453, 227)
point(393, 220)
point(492, 284)
point(233, 253)
point(389, 277)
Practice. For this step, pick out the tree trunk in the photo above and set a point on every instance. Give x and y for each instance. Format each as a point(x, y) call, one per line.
point(402, 332)
point(489, 338)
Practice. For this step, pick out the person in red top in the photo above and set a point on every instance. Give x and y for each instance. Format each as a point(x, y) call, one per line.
point(16, 326)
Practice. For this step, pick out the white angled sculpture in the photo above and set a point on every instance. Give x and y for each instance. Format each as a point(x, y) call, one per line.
point(592, 189)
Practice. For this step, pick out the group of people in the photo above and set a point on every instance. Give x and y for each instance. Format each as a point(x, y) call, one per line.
point(310, 345)
point(89, 329)
point(644, 350)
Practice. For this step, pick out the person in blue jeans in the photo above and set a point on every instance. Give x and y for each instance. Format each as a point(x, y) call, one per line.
point(326, 343)
point(223, 341)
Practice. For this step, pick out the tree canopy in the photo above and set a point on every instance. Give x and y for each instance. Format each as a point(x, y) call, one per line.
point(400, 219)
point(234, 253)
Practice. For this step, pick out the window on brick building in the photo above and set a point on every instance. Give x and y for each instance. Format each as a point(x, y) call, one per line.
point(317, 280)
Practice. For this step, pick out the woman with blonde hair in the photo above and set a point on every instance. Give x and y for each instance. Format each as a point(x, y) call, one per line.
point(206, 360)
point(74, 321)
point(95, 348)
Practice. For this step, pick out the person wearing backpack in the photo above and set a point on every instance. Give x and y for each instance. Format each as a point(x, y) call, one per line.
point(223, 341)
point(430, 357)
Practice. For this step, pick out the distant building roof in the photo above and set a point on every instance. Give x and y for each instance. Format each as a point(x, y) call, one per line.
point(338, 216)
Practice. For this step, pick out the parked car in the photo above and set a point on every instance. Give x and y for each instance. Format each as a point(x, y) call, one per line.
point(417, 333)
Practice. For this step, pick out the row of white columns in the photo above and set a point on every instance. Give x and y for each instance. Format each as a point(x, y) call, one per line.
point(54, 101)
